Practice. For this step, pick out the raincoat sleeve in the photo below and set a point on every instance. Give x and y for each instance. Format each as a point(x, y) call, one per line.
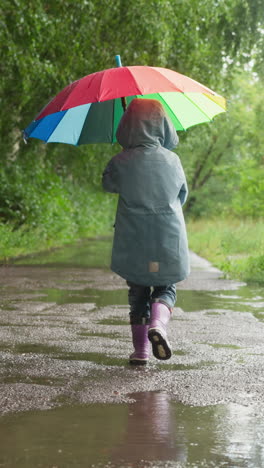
point(110, 179)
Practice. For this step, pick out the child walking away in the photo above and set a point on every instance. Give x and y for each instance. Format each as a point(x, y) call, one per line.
point(150, 248)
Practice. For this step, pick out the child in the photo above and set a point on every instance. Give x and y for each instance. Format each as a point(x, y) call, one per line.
point(150, 247)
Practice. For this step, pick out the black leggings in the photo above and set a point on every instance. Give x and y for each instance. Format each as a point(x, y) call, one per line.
point(141, 297)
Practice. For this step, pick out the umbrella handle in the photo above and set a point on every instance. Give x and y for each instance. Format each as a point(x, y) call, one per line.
point(119, 64)
point(124, 104)
point(118, 61)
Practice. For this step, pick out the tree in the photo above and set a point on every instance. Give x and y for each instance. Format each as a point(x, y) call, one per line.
point(224, 160)
point(47, 44)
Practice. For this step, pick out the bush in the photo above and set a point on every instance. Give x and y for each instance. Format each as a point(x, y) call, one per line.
point(41, 208)
point(248, 199)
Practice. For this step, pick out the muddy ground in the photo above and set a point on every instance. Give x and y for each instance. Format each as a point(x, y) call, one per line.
point(65, 339)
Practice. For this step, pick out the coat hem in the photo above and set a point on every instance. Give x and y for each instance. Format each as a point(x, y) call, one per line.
point(153, 281)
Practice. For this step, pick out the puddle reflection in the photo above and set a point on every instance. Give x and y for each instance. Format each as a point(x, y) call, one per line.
point(96, 253)
point(152, 431)
point(248, 299)
point(90, 253)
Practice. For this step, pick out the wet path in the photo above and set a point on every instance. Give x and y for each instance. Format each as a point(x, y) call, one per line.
point(64, 343)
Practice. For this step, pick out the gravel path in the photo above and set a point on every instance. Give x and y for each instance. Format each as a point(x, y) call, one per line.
point(65, 339)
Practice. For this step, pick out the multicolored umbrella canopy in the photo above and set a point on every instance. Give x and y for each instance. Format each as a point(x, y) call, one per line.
point(89, 110)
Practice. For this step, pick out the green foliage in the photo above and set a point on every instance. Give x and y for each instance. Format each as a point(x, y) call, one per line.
point(40, 208)
point(48, 44)
point(250, 269)
point(60, 227)
point(236, 247)
point(53, 191)
point(224, 160)
point(248, 200)
point(254, 269)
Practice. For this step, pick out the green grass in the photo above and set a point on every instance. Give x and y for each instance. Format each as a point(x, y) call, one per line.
point(234, 246)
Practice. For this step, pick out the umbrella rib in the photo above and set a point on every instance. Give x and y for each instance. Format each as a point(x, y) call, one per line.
point(176, 90)
point(211, 97)
point(101, 84)
point(70, 87)
point(190, 80)
point(54, 128)
point(167, 104)
point(136, 85)
point(134, 91)
point(196, 105)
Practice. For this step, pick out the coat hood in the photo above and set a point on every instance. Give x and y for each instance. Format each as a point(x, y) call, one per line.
point(145, 123)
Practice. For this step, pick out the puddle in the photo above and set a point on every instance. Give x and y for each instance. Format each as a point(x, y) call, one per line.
point(25, 348)
point(96, 253)
point(218, 345)
point(20, 378)
point(80, 254)
point(113, 321)
point(111, 336)
point(246, 299)
point(56, 353)
point(179, 352)
point(96, 358)
point(151, 431)
point(99, 297)
point(184, 367)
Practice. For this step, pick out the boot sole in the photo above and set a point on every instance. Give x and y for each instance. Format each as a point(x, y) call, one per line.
point(138, 362)
point(160, 346)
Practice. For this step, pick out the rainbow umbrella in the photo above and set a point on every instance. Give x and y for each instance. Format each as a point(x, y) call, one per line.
point(89, 109)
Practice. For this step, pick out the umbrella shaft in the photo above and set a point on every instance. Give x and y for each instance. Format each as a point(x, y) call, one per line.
point(124, 104)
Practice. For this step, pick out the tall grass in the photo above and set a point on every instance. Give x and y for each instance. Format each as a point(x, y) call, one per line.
point(235, 246)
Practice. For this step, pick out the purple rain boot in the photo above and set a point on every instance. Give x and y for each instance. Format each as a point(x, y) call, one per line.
point(160, 315)
point(141, 345)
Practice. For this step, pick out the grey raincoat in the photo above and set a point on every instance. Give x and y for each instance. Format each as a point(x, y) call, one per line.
point(150, 243)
